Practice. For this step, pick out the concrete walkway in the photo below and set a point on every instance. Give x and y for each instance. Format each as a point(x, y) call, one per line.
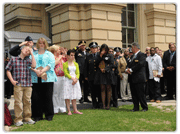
point(89, 105)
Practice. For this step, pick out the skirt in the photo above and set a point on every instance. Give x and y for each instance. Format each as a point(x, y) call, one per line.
point(71, 91)
point(58, 99)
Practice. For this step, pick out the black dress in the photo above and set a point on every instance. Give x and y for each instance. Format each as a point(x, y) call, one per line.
point(107, 77)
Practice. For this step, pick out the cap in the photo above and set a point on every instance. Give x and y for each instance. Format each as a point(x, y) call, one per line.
point(117, 49)
point(28, 38)
point(93, 45)
point(130, 50)
point(87, 48)
point(83, 42)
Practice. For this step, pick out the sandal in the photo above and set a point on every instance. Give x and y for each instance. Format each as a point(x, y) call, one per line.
point(77, 112)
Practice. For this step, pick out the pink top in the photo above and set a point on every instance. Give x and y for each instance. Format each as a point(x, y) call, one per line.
point(59, 67)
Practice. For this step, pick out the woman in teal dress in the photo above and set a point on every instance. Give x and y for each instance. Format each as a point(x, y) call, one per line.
point(43, 81)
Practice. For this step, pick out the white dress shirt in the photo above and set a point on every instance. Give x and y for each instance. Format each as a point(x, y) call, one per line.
point(154, 63)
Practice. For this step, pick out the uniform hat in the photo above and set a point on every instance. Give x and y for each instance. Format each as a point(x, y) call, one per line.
point(82, 42)
point(87, 48)
point(117, 49)
point(93, 45)
point(28, 38)
point(130, 50)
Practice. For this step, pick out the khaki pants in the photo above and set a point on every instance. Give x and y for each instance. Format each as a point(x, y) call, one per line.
point(22, 103)
point(123, 84)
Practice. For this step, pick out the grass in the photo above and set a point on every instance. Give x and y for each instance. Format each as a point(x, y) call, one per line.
point(115, 119)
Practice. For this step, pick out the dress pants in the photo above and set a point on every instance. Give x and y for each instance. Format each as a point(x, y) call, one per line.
point(22, 103)
point(42, 100)
point(138, 95)
point(58, 95)
point(171, 83)
point(123, 85)
point(154, 90)
point(84, 87)
point(95, 93)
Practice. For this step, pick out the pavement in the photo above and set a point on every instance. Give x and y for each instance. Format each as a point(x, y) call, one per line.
point(86, 105)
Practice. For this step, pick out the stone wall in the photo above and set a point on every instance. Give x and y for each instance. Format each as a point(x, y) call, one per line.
point(161, 25)
point(90, 22)
point(26, 18)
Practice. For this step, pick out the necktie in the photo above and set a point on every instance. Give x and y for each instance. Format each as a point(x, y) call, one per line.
point(171, 56)
point(133, 57)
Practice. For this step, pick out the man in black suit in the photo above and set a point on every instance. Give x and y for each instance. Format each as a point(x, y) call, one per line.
point(137, 70)
point(80, 57)
point(169, 64)
point(89, 73)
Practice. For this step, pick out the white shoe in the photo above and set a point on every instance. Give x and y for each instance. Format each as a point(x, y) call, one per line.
point(30, 122)
point(19, 123)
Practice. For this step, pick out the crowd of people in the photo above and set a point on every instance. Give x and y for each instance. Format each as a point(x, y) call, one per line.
point(47, 78)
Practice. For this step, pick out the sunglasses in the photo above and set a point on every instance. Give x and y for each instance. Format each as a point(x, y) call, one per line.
point(111, 51)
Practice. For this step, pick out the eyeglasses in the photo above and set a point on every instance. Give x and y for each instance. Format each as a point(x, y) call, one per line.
point(111, 51)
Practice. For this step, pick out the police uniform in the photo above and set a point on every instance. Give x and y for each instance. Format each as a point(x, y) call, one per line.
point(117, 49)
point(90, 71)
point(80, 57)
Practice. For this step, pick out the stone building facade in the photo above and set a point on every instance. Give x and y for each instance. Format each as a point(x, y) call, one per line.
point(119, 24)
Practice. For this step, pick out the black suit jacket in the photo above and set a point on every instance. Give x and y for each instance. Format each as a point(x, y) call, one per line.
point(80, 59)
point(166, 63)
point(166, 60)
point(90, 67)
point(138, 66)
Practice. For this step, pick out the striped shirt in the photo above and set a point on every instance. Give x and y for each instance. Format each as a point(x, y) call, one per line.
point(20, 70)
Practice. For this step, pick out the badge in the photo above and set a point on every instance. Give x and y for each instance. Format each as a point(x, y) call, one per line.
point(106, 58)
point(136, 60)
point(79, 54)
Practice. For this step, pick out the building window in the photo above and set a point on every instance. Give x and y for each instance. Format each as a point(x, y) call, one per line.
point(129, 25)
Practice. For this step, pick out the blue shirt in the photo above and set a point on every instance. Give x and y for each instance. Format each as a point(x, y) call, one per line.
point(46, 59)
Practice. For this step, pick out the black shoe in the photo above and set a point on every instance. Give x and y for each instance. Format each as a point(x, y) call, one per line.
point(37, 119)
point(134, 110)
point(81, 101)
point(123, 100)
point(87, 100)
point(144, 110)
point(49, 119)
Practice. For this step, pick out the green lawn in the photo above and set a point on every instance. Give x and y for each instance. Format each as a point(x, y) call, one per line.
point(115, 119)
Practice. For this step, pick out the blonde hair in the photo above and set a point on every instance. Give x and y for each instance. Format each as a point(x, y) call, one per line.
point(53, 48)
point(44, 41)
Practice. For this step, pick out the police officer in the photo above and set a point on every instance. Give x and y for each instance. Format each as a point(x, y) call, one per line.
point(80, 57)
point(90, 71)
point(116, 58)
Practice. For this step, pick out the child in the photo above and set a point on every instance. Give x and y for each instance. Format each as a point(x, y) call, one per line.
point(72, 90)
point(21, 79)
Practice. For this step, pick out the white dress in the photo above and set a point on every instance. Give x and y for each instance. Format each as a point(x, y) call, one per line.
point(72, 91)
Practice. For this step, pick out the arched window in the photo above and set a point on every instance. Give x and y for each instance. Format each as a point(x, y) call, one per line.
point(129, 25)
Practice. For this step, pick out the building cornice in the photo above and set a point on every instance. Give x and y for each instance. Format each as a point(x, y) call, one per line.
point(160, 11)
point(22, 17)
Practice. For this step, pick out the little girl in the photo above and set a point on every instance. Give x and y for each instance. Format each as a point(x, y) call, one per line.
point(72, 89)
